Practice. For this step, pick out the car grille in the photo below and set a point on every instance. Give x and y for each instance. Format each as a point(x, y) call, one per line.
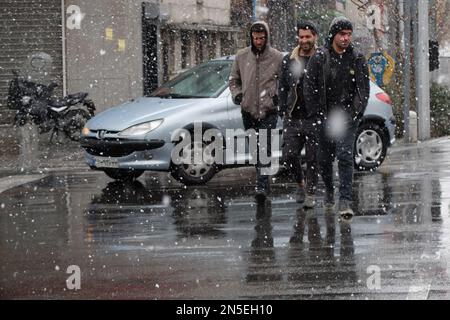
point(114, 147)
point(109, 150)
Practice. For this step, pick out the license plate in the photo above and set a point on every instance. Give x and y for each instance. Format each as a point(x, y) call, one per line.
point(106, 162)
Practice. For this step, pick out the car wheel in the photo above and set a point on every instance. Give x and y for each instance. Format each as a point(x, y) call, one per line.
point(123, 174)
point(370, 146)
point(191, 173)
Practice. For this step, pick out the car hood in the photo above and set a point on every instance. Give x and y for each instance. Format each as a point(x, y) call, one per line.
point(136, 112)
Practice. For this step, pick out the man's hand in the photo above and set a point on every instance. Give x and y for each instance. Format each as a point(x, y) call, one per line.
point(275, 100)
point(358, 116)
point(238, 99)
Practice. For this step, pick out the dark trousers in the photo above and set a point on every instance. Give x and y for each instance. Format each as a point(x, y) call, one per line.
point(299, 134)
point(268, 122)
point(342, 149)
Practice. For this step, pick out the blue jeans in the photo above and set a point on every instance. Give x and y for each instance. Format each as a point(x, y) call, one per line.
point(342, 149)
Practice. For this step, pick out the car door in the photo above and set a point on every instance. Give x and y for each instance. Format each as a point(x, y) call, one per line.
point(237, 128)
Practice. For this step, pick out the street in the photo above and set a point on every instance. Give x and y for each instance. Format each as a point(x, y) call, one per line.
point(76, 234)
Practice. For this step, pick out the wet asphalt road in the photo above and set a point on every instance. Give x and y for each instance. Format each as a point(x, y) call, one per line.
point(155, 239)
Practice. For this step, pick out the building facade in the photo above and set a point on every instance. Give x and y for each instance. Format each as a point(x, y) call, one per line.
point(119, 50)
point(116, 50)
point(27, 27)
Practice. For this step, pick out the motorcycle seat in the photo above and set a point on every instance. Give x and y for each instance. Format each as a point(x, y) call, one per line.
point(76, 96)
point(57, 103)
point(68, 100)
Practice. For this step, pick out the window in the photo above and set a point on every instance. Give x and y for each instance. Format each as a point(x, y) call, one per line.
point(207, 80)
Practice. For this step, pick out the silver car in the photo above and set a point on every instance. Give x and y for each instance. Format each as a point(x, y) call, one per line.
point(136, 136)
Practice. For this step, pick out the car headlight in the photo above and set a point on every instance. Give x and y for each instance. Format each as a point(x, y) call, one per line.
point(142, 128)
point(85, 132)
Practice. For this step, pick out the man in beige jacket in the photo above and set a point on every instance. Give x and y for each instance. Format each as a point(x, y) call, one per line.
point(253, 85)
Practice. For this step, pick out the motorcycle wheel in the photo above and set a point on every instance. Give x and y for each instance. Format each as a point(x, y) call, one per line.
point(20, 119)
point(89, 104)
point(76, 119)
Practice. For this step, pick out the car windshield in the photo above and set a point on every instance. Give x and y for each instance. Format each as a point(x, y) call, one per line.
point(207, 80)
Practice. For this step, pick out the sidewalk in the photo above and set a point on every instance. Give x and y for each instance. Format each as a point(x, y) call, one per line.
point(24, 150)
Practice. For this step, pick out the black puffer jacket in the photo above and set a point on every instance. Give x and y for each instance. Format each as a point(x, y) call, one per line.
point(290, 87)
point(316, 79)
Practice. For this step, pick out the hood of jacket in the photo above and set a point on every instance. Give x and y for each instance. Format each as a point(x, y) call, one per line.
point(266, 27)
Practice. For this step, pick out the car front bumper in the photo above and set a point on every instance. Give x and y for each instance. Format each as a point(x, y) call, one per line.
point(127, 154)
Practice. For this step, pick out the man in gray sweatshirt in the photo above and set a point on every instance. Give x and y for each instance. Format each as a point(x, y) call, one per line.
point(253, 85)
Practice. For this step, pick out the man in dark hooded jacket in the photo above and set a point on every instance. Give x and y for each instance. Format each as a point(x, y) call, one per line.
point(337, 90)
point(298, 131)
point(253, 86)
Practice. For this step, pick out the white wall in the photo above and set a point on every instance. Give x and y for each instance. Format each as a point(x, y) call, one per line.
point(442, 75)
point(112, 74)
point(97, 63)
point(197, 11)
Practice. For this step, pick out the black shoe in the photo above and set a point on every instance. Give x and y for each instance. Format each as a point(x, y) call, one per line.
point(261, 194)
point(283, 172)
point(296, 240)
point(345, 211)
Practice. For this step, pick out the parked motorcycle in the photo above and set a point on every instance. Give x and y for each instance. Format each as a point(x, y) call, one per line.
point(33, 103)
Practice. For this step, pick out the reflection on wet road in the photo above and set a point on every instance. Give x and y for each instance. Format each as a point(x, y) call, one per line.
point(154, 239)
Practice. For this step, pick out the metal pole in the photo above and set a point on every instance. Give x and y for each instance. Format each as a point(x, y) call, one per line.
point(159, 54)
point(433, 32)
point(423, 97)
point(433, 17)
point(63, 40)
point(401, 25)
point(406, 68)
point(413, 17)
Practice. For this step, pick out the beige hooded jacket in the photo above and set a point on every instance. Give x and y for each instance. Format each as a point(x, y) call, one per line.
point(255, 76)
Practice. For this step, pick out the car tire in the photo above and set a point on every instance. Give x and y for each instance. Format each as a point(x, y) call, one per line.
point(123, 174)
point(193, 174)
point(370, 146)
